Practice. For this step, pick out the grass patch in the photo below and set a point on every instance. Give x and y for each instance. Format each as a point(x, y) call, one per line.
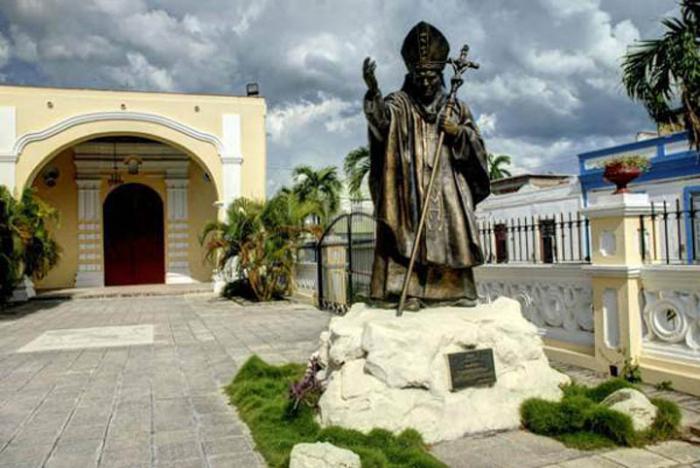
point(580, 421)
point(259, 391)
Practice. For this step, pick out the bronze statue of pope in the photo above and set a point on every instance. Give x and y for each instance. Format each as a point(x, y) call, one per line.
point(404, 129)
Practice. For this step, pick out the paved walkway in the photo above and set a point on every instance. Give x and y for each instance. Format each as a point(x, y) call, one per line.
point(136, 381)
point(521, 449)
point(157, 403)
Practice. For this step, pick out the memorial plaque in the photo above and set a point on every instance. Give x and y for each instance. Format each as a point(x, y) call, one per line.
point(471, 368)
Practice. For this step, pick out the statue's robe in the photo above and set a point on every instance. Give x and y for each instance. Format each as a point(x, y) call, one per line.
point(403, 136)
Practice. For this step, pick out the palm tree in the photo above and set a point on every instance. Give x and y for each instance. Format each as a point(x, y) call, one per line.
point(321, 187)
point(356, 166)
point(663, 73)
point(496, 169)
point(224, 240)
point(264, 237)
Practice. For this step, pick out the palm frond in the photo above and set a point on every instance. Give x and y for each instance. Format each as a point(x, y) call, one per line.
point(662, 73)
point(356, 166)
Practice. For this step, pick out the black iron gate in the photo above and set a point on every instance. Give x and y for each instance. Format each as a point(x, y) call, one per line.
point(344, 258)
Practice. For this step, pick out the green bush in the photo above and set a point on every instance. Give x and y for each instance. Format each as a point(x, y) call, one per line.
point(259, 391)
point(580, 421)
point(576, 411)
point(601, 391)
point(667, 421)
point(27, 247)
point(611, 424)
point(543, 417)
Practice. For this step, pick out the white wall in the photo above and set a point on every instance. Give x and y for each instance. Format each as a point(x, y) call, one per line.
point(528, 202)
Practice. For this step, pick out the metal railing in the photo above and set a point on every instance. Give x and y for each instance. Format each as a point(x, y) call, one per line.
point(338, 268)
point(670, 233)
point(555, 238)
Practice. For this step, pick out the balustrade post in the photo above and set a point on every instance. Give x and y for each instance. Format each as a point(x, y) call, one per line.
point(616, 261)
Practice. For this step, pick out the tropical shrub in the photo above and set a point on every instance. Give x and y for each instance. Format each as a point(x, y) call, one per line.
point(27, 247)
point(264, 236)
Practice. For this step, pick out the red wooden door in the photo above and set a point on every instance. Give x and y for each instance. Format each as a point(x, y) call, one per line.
point(133, 236)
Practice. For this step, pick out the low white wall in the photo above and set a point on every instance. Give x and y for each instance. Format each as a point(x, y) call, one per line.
point(671, 314)
point(556, 298)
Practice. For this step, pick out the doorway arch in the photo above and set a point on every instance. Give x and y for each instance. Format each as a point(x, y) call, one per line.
point(134, 247)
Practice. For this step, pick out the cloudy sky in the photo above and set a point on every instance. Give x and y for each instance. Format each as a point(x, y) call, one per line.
point(548, 87)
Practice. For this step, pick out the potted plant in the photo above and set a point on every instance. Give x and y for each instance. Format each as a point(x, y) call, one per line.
point(624, 169)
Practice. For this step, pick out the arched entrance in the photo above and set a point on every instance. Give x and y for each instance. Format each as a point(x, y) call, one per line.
point(134, 250)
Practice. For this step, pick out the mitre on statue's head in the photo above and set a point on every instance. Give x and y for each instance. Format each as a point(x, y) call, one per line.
point(425, 47)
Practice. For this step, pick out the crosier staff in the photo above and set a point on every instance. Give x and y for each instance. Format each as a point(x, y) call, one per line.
point(459, 65)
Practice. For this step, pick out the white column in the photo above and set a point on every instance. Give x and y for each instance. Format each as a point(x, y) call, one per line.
point(8, 134)
point(231, 158)
point(90, 245)
point(178, 267)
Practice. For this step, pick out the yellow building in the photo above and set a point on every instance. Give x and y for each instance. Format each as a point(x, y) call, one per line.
point(134, 175)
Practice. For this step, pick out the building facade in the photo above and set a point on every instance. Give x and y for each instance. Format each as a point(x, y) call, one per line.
point(672, 184)
point(135, 176)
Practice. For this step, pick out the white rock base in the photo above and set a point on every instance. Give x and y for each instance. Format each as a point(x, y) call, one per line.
point(392, 373)
point(322, 455)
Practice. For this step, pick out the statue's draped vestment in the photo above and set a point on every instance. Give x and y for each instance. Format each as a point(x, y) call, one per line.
point(403, 136)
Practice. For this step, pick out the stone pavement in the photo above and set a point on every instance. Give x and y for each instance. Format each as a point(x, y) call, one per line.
point(155, 402)
point(524, 449)
point(137, 381)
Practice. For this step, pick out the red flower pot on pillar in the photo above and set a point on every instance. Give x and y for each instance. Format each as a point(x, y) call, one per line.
point(622, 171)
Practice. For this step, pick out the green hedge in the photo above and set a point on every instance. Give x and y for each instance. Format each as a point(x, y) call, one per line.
point(580, 421)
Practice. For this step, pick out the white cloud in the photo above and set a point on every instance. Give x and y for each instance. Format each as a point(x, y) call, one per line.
point(487, 124)
point(557, 155)
point(25, 47)
point(139, 74)
point(249, 14)
point(557, 62)
point(119, 7)
point(566, 8)
point(4, 50)
point(549, 84)
point(511, 89)
point(165, 37)
point(287, 122)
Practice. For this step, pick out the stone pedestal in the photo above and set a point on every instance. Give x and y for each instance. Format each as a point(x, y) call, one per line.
point(392, 373)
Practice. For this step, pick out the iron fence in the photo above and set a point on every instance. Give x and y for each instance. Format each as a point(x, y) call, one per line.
point(669, 233)
point(338, 267)
point(555, 238)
